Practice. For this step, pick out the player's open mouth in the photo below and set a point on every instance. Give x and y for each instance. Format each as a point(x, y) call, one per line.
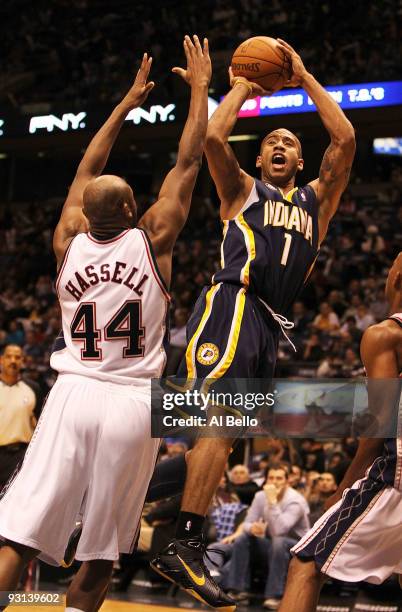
point(278, 161)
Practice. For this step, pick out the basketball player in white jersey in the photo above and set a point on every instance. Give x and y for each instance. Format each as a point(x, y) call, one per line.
point(92, 454)
point(360, 536)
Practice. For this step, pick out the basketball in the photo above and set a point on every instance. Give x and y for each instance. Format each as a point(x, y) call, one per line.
point(260, 60)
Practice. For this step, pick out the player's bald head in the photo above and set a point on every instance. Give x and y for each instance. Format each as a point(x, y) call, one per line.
point(109, 199)
point(283, 132)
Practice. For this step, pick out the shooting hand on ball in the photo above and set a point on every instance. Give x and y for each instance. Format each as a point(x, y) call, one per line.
point(199, 69)
point(140, 88)
point(299, 71)
point(254, 88)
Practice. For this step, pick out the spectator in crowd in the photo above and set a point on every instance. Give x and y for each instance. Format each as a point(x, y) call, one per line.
point(277, 518)
point(20, 405)
point(242, 485)
point(313, 350)
point(325, 487)
point(364, 318)
point(327, 321)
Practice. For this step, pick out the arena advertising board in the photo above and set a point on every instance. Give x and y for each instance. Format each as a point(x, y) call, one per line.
point(287, 101)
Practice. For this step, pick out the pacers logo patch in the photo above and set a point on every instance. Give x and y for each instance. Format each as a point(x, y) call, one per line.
point(208, 353)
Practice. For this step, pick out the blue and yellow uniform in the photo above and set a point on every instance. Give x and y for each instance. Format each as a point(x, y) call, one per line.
point(267, 252)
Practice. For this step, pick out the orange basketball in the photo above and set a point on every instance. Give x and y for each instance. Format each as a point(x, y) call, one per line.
point(261, 60)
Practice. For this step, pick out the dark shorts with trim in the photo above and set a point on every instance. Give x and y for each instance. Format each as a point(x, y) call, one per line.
point(331, 542)
point(230, 334)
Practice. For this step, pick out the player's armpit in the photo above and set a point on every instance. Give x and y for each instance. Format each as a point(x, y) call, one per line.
point(333, 179)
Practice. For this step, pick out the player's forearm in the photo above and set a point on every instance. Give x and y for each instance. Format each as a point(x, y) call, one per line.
point(224, 118)
point(369, 449)
point(99, 148)
point(336, 123)
point(191, 144)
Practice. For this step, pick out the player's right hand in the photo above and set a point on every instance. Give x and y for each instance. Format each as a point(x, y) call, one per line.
point(255, 89)
point(140, 88)
point(199, 69)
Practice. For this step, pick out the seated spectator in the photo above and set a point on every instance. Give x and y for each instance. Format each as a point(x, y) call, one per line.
point(312, 455)
point(374, 244)
point(259, 474)
point(15, 334)
point(296, 479)
point(351, 365)
point(327, 321)
point(313, 350)
point(242, 485)
point(350, 327)
point(325, 487)
point(277, 518)
point(363, 318)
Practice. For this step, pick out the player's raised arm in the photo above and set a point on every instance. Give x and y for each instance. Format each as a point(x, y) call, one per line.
point(232, 183)
point(338, 158)
point(166, 218)
point(72, 220)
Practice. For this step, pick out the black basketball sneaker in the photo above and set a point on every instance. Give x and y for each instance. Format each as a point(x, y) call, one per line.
point(71, 548)
point(182, 562)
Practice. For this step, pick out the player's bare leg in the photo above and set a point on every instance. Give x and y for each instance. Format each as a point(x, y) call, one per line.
point(13, 558)
point(88, 589)
point(303, 586)
point(205, 466)
point(182, 561)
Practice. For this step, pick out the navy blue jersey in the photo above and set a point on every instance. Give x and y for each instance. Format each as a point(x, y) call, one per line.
point(271, 244)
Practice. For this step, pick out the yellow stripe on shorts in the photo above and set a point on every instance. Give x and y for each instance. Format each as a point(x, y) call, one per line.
point(228, 356)
point(250, 245)
point(190, 352)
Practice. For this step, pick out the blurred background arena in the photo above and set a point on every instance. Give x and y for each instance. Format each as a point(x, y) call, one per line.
point(65, 63)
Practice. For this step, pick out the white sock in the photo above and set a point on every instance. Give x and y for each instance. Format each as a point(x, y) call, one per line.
point(69, 609)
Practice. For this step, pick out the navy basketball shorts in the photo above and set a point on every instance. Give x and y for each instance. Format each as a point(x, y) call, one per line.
point(232, 343)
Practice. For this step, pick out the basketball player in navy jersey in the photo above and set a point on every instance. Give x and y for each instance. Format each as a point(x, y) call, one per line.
point(360, 536)
point(272, 232)
point(92, 454)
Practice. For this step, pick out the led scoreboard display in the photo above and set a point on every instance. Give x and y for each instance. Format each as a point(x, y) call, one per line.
point(289, 101)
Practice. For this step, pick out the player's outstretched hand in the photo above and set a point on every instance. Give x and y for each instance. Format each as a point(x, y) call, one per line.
point(299, 71)
point(255, 89)
point(140, 88)
point(199, 69)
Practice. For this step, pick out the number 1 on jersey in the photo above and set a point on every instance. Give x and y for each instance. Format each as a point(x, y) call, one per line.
point(286, 248)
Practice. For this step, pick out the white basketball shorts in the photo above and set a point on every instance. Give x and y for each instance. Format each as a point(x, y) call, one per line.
point(91, 456)
point(360, 537)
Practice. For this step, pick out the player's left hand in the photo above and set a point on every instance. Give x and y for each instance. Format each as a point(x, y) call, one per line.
point(299, 71)
point(199, 69)
point(140, 88)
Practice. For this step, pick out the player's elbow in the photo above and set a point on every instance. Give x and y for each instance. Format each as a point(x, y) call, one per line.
point(213, 139)
point(347, 137)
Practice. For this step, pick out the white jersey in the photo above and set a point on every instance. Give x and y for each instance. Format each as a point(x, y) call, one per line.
point(114, 307)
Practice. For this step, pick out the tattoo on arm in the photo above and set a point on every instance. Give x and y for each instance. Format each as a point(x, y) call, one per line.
point(332, 169)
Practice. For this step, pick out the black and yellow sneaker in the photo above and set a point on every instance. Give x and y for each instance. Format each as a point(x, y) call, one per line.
point(182, 562)
point(71, 549)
